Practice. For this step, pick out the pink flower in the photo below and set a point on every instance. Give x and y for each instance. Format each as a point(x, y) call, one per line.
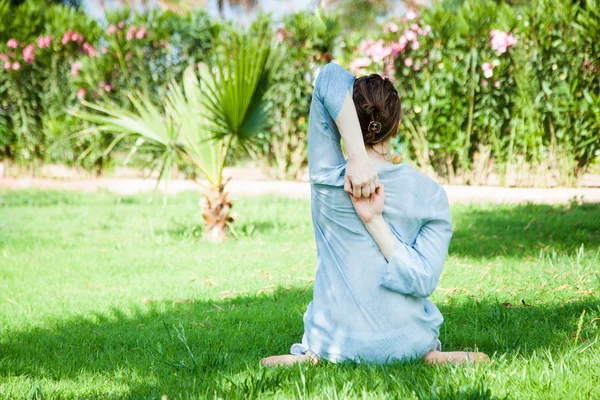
point(501, 41)
point(414, 27)
point(358, 63)
point(16, 65)
point(130, 33)
point(378, 51)
point(397, 49)
point(408, 62)
point(28, 53)
point(121, 25)
point(104, 50)
point(415, 45)
point(488, 69)
point(76, 37)
point(12, 43)
point(44, 41)
point(416, 67)
point(280, 36)
point(410, 36)
point(128, 56)
point(107, 88)
point(587, 64)
point(425, 61)
point(389, 69)
point(427, 30)
point(141, 33)
point(411, 15)
point(402, 42)
point(7, 65)
point(75, 67)
point(81, 94)
point(390, 27)
point(66, 37)
point(484, 83)
point(496, 84)
point(365, 44)
point(90, 50)
point(111, 30)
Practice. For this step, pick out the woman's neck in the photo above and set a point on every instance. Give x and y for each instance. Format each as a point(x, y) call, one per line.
point(380, 153)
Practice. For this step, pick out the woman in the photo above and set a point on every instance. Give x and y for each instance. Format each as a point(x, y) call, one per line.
point(376, 265)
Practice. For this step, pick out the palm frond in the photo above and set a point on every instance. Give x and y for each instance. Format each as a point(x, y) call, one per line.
point(202, 117)
point(234, 96)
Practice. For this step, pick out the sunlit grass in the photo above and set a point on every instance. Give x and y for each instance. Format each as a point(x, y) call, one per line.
point(118, 297)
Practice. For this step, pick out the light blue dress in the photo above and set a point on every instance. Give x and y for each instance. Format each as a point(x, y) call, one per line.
point(365, 308)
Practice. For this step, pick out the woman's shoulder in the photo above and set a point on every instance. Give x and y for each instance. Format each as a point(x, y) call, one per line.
point(333, 72)
point(414, 182)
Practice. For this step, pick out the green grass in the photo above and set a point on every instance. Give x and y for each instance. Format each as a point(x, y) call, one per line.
point(107, 297)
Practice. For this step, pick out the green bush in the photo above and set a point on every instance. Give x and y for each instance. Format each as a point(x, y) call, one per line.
point(34, 83)
point(309, 40)
point(523, 105)
point(72, 58)
point(487, 88)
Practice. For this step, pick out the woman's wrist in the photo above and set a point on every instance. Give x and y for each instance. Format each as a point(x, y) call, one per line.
point(374, 222)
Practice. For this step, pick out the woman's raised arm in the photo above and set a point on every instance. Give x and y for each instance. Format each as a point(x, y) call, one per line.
point(333, 116)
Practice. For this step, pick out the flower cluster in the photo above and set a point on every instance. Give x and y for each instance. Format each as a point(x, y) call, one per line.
point(90, 50)
point(488, 72)
point(132, 32)
point(502, 41)
point(588, 66)
point(282, 34)
point(75, 67)
point(29, 53)
point(377, 51)
point(71, 36)
point(8, 65)
point(44, 41)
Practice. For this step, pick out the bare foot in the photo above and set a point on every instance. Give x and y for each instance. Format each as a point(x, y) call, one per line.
point(455, 357)
point(289, 359)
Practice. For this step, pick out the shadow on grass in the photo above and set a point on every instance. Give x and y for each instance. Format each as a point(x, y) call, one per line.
point(519, 230)
point(200, 347)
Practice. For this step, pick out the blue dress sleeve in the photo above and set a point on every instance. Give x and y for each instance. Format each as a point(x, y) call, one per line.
point(414, 269)
point(325, 155)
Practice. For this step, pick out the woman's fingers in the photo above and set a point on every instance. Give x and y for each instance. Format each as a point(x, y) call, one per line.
point(357, 191)
point(347, 185)
point(366, 190)
point(373, 187)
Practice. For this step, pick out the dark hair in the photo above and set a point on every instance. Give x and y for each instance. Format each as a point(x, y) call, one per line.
point(378, 108)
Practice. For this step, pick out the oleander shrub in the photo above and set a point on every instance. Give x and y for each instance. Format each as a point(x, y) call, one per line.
point(492, 89)
point(309, 41)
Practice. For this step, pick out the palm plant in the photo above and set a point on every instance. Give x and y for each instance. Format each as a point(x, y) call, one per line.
point(200, 120)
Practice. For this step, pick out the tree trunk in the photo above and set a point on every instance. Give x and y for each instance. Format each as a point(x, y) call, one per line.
point(216, 209)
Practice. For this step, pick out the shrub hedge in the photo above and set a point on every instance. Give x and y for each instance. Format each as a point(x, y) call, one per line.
point(486, 88)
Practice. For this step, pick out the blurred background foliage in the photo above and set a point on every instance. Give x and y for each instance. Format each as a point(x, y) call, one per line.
point(527, 112)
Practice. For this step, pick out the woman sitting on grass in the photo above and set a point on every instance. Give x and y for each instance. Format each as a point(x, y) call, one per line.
point(376, 264)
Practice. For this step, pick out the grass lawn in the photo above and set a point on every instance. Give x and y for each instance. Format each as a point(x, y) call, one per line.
point(108, 297)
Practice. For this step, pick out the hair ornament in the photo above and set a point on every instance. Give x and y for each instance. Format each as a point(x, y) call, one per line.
point(374, 127)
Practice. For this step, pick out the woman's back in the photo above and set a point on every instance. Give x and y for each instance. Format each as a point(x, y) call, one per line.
point(380, 252)
point(353, 314)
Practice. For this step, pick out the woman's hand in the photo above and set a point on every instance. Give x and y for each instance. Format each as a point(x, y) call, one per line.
point(361, 177)
point(370, 208)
